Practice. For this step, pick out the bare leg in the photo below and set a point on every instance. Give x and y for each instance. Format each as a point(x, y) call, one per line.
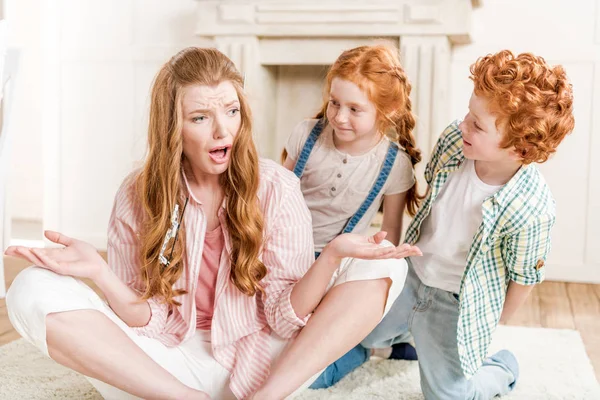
point(88, 342)
point(346, 315)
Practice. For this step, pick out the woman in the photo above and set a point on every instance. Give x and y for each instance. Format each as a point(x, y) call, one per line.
point(203, 202)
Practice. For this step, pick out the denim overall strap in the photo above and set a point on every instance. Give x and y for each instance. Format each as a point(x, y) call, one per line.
point(390, 157)
point(308, 146)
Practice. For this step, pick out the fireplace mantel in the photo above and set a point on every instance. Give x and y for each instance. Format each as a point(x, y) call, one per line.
point(268, 18)
point(260, 34)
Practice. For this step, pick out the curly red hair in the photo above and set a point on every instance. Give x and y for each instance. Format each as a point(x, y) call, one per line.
point(533, 101)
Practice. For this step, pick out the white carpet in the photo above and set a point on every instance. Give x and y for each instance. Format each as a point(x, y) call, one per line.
point(553, 364)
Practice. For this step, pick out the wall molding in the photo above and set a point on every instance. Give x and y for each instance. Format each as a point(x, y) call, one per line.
point(335, 18)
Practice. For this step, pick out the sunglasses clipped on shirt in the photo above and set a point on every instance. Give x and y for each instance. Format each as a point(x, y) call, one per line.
point(172, 233)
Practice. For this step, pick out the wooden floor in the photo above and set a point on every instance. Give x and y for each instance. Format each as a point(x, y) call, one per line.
point(551, 305)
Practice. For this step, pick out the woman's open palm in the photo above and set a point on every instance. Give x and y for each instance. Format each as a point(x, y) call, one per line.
point(369, 247)
point(77, 258)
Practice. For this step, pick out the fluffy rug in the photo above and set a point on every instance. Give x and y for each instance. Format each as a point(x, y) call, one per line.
point(553, 364)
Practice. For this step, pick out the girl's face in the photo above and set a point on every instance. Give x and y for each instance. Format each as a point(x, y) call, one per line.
point(350, 112)
point(211, 120)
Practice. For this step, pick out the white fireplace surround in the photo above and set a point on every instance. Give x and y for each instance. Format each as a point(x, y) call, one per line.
point(258, 35)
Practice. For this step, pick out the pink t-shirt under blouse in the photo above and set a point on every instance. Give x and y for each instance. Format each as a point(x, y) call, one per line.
point(207, 280)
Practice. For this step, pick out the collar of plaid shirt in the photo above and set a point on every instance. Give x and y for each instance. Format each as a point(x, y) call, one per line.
point(511, 243)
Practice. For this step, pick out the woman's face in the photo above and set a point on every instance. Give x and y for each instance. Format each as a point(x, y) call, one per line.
point(211, 120)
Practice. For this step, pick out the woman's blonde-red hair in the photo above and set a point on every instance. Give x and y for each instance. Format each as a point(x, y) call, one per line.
point(159, 185)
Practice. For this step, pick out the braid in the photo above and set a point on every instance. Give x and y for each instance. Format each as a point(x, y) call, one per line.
point(404, 123)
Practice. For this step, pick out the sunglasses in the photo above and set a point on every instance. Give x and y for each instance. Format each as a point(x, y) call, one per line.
point(172, 233)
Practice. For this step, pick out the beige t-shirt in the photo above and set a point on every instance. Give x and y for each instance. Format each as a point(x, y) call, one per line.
point(335, 184)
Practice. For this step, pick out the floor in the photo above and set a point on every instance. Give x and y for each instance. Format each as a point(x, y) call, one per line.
point(551, 305)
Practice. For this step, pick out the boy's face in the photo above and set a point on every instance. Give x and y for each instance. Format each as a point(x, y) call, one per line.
point(481, 136)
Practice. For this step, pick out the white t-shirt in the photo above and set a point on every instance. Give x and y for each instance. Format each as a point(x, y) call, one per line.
point(335, 184)
point(447, 232)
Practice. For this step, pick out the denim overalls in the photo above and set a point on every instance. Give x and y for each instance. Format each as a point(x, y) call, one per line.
point(358, 355)
point(388, 162)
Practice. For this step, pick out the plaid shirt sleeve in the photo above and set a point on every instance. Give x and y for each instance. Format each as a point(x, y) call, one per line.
point(430, 167)
point(525, 252)
point(439, 149)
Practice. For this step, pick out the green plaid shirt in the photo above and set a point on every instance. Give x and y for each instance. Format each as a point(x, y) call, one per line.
point(512, 243)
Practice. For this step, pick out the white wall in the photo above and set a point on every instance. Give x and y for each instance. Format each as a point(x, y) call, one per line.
point(26, 181)
point(107, 53)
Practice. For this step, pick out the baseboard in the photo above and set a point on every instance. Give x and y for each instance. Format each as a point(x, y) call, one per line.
point(573, 273)
point(26, 229)
point(98, 241)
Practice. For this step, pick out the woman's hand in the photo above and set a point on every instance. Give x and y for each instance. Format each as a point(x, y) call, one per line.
point(368, 247)
point(77, 258)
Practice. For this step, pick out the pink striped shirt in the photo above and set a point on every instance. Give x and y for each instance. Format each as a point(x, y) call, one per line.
point(241, 324)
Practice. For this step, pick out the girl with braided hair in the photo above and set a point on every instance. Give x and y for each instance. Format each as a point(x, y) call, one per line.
point(355, 155)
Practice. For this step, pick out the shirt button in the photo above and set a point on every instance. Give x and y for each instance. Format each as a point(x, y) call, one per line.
point(339, 175)
point(345, 161)
point(333, 189)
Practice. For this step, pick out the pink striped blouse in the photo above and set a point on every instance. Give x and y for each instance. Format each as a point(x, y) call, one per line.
point(241, 324)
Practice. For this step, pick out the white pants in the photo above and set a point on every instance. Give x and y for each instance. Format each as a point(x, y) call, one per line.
point(37, 292)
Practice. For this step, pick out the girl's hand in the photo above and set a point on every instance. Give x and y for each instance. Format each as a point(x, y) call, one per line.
point(368, 247)
point(77, 258)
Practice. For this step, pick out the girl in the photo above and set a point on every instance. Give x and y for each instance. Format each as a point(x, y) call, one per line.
point(210, 267)
point(358, 153)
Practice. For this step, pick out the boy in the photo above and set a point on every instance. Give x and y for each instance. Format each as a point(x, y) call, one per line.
point(484, 227)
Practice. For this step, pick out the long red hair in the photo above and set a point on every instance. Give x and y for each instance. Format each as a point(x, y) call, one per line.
point(159, 185)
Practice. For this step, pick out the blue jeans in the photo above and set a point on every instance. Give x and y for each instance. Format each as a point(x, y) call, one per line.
point(431, 315)
point(342, 367)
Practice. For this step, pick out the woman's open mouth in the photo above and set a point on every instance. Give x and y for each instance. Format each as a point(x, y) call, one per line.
point(220, 154)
